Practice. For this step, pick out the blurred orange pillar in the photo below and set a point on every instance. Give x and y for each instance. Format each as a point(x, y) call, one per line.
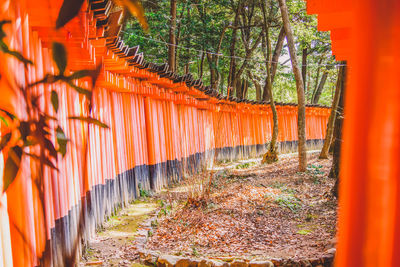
point(366, 33)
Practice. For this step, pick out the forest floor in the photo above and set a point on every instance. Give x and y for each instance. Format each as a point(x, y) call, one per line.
point(244, 210)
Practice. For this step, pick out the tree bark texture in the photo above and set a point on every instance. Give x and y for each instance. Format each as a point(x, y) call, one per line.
point(257, 85)
point(301, 121)
point(271, 154)
point(232, 65)
point(320, 88)
point(337, 143)
point(332, 117)
point(277, 53)
point(304, 67)
point(172, 37)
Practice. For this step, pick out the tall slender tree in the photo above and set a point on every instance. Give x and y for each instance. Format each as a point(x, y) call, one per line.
point(271, 154)
point(320, 87)
point(172, 37)
point(337, 134)
point(332, 117)
point(301, 120)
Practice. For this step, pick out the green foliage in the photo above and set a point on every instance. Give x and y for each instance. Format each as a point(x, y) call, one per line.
point(54, 100)
point(4, 47)
point(89, 120)
point(36, 130)
point(304, 232)
point(143, 192)
point(62, 141)
point(288, 201)
point(12, 166)
point(4, 140)
point(154, 224)
point(195, 252)
point(71, 8)
point(277, 185)
point(245, 165)
point(315, 172)
point(165, 209)
point(68, 11)
point(200, 25)
point(59, 56)
point(150, 233)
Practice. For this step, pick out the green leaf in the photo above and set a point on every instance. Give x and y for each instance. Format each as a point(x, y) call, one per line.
point(60, 56)
point(31, 142)
point(50, 147)
point(46, 161)
point(54, 100)
point(80, 90)
point(68, 11)
point(12, 166)
point(90, 120)
point(3, 120)
point(80, 74)
point(62, 141)
point(10, 115)
point(304, 232)
point(93, 74)
point(135, 7)
point(4, 140)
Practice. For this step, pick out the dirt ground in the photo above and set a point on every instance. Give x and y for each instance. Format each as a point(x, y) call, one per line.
point(112, 246)
point(256, 212)
point(249, 211)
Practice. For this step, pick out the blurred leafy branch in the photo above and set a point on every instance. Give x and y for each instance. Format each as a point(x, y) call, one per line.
point(71, 8)
point(32, 137)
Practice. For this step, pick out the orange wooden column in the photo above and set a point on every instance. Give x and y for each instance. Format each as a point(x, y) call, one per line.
point(369, 222)
point(366, 33)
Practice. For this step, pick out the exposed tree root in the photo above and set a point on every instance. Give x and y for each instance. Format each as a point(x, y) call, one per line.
point(270, 157)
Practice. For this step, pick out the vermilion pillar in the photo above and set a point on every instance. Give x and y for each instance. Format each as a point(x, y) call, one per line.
point(366, 33)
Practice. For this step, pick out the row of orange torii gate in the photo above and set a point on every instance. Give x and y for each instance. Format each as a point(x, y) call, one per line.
point(162, 126)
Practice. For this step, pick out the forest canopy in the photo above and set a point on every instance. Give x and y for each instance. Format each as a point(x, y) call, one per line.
point(229, 44)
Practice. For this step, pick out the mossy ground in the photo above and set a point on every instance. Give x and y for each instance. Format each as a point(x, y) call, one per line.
point(117, 234)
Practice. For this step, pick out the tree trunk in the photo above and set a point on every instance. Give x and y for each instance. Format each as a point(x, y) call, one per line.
point(271, 154)
point(249, 45)
point(232, 65)
point(213, 61)
point(320, 87)
point(187, 41)
point(213, 71)
point(221, 84)
point(172, 37)
point(245, 88)
point(256, 85)
point(177, 40)
point(317, 78)
point(301, 121)
point(201, 67)
point(277, 53)
point(304, 67)
point(239, 89)
point(332, 117)
point(335, 171)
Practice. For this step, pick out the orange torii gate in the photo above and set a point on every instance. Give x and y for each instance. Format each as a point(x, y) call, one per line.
point(366, 33)
point(161, 126)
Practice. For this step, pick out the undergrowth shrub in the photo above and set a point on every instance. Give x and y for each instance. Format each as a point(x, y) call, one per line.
point(199, 189)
